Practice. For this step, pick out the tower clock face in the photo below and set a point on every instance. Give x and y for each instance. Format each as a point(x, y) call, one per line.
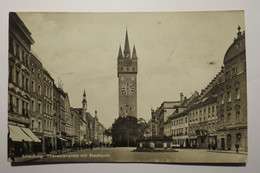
point(127, 88)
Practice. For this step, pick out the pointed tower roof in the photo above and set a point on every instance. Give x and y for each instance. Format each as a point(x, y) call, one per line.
point(134, 56)
point(127, 47)
point(120, 55)
point(84, 94)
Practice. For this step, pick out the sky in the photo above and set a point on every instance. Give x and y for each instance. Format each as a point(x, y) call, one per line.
point(177, 52)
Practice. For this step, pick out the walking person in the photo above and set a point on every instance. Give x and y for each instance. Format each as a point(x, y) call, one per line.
point(12, 153)
point(209, 146)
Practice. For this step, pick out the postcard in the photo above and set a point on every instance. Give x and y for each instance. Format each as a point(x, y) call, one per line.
point(150, 87)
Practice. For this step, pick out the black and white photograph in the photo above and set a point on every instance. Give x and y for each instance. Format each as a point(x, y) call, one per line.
point(136, 87)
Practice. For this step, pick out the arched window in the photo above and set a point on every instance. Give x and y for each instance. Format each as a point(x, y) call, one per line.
point(237, 113)
point(238, 138)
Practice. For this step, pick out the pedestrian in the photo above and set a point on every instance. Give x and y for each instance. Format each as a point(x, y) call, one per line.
point(237, 147)
point(209, 146)
point(23, 148)
point(12, 153)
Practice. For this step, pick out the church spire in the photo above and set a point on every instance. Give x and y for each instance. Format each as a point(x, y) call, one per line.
point(120, 55)
point(127, 47)
point(84, 94)
point(134, 56)
point(84, 101)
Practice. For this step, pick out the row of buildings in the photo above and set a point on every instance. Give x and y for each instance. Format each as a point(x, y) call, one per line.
point(40, 118)
point(217, 115)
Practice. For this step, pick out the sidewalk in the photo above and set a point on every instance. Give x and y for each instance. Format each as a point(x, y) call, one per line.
point(229, 152)
point(32, 157)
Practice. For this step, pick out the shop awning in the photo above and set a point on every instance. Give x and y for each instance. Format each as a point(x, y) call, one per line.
point(62, 139)
point(17, 134)
point(31, 134)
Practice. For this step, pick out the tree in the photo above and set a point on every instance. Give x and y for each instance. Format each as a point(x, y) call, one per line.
point(125, 131)
point(143, 128)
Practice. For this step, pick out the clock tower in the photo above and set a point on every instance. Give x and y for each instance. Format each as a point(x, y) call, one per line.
point(127, 80)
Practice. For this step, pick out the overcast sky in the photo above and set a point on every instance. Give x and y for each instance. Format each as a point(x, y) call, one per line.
point(177, 52)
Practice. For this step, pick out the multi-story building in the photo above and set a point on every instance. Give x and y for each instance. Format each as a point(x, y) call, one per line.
point(203, 116)
point(68, 122)
point(203, 123)
point(232, 97)
point(180, 128)
point(48, 120)
point(162, 114)
point(19, 101)
point(82, 135)
point(37, 99)
point(76, 122)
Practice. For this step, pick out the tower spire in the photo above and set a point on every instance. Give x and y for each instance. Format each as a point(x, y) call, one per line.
point(84, 94)
point(120, 55)
point(134, 56)
point(84, 101)
point(127, 47)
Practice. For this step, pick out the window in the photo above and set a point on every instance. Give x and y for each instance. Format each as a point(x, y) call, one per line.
point(186, 120)
point(33, 85)
point(238, 116)
point(33, 70)
point(23, 85)
point(26, 60)
point(32, 124)
point(234, 71)
point(45, 124)
point(213, 111)
point(237, 91)
point(229, 96)
point(26, 84)
point(50, 125)
point(39, 107)
point(237, 113)
point(222, 116)
point(23, 56)
point(229, 118)
point(39, 126)
point(33, 105)
point(17, 51)
point(17, 77)
point(39, 89)
point(209, 112)
point(17, 105)
point(23, 110)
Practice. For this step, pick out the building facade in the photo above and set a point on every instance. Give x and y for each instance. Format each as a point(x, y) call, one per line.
point(127, 80)
point(37, 99)
point(180, 128)
point(232, 98)
point(48, 119)
point(19, 89)
point(162, 114)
